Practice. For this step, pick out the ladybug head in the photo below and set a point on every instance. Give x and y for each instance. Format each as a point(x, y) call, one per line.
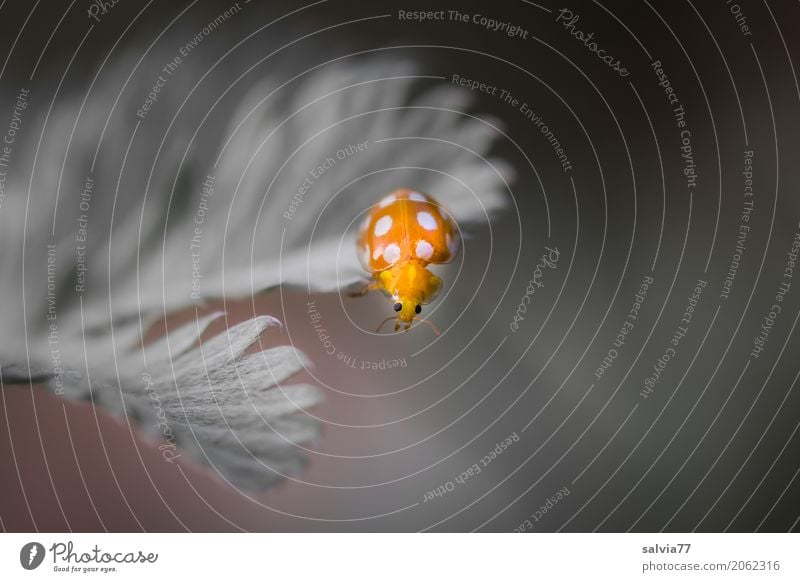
point(410, 286)
point(406, 310)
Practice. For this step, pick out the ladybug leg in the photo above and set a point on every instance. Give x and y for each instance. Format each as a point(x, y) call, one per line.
point(361, 288)
point(358, 289)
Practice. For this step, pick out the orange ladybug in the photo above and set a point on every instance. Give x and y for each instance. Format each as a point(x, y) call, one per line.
point(400, 236)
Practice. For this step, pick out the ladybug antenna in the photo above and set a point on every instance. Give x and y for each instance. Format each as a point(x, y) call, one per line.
point(391, 317)
point(433, 326)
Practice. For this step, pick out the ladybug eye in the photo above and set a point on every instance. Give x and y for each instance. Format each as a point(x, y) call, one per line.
point(418, 309)
point(398, 306)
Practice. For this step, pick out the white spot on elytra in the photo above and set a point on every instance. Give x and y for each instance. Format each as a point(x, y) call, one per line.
point(426, 220)
point(391, 253)
point(377, 252)
point(383, 225)
point(387, 200)
point(416, 196)
point(424, 249)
